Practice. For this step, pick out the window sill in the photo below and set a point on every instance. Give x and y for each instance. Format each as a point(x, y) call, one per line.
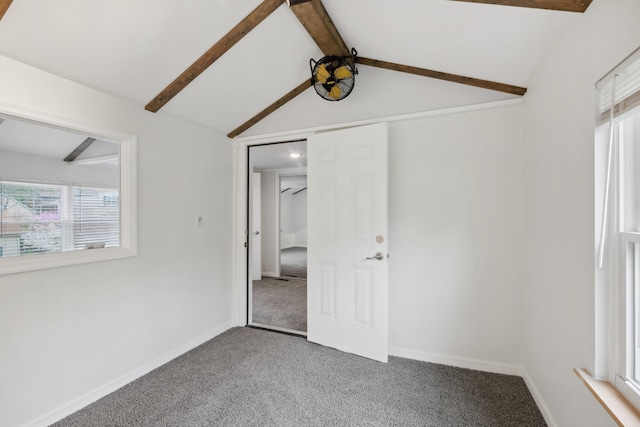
point(611, 399)
point(25, 263)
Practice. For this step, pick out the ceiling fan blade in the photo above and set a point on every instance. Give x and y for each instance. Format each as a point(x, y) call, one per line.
point(335, 92)
point(271, 108)
point(4, 5)
point(485, 84)
point(342, 73)
point(316, 20)
point(216, 51)
point(322, 75)
point(562, 5)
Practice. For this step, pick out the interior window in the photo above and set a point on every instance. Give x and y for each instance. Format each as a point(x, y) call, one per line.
point(63, 191)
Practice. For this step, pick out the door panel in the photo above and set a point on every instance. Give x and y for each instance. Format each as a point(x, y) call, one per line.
point(347, 199)
point(362, 296)
point(327, 291)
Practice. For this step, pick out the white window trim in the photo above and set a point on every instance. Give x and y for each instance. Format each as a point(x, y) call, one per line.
point(128, 198)
point(625, 355)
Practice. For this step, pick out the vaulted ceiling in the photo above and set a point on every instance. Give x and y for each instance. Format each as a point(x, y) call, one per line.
point(234, 59)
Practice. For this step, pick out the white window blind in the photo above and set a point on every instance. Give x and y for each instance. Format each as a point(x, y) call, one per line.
point(45, 218)
point(30, 217)
point(95, 217)
point(624, 80)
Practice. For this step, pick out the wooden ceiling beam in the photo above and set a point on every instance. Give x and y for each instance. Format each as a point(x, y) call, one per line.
point(315, 19)
point(79, 149)
point(266, 8)
point(271, 108)
point(561, 5)
point(485, 84)
point(4, 5)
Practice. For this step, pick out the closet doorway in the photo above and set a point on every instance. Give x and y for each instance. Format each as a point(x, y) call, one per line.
point(277, 294)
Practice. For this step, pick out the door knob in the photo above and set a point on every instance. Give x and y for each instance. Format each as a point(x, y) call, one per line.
point(255, 233)
point(377, 256)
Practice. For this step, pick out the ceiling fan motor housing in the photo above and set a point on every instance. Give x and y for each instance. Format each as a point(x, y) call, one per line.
point(333, 77)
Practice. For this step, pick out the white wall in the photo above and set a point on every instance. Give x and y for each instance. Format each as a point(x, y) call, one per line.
point(300, 219)
point(270, 210)
point(558, 206)
point(66, 333)
point(287, 236)
point(293, 219)
point(38, 168)
point(455, 238)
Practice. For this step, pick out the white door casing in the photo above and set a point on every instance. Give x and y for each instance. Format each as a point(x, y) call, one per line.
point(347, 305)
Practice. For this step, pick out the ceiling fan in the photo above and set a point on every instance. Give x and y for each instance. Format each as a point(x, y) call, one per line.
point(334, 74)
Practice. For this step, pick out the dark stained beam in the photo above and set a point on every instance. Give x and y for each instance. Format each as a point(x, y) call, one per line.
point(266, 8)
point(79, 149)
point(485, 84)
point(315, 19)
point(4, 5)
point(271, 108)
point(562, 5)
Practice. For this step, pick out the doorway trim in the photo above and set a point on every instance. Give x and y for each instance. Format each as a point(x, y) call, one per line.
point(240, 242)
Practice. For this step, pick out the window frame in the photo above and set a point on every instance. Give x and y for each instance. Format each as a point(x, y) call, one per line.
point(128, 197)
point(624, 262)
point(625, 363)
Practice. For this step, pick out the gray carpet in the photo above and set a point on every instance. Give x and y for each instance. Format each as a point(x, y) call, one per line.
point(280, 303)
point(293, 262)
point(260, 378)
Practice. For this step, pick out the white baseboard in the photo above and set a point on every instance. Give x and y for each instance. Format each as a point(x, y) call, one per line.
point(269, 274)
point(537, 397)
point(90, 397)
point(460, 362)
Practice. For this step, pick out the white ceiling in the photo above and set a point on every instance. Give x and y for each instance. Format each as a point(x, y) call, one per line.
point(27, 137)
point(278, 156)
point(134, 49)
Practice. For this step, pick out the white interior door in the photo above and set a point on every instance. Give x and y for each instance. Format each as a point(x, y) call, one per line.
point(348, 240)
point(256, 238)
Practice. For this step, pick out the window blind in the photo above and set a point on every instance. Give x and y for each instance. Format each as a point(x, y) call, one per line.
point(95, 217)
point(30, 218)
point(624, 80)
point(45, 218)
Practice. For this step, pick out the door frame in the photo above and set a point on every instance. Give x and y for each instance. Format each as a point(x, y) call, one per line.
point(240, 238)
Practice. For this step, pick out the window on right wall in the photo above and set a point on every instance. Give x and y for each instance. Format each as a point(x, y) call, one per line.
point(618, 143)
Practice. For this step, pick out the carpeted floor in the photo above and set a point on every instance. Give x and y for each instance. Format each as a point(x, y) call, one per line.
point(293, 262)
point(248, 377)
point(281, 303)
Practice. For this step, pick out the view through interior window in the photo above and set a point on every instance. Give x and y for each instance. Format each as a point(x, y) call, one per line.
point(59, 190)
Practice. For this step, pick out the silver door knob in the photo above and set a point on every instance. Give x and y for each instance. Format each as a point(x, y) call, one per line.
point(255, 233)
point(377, 256)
